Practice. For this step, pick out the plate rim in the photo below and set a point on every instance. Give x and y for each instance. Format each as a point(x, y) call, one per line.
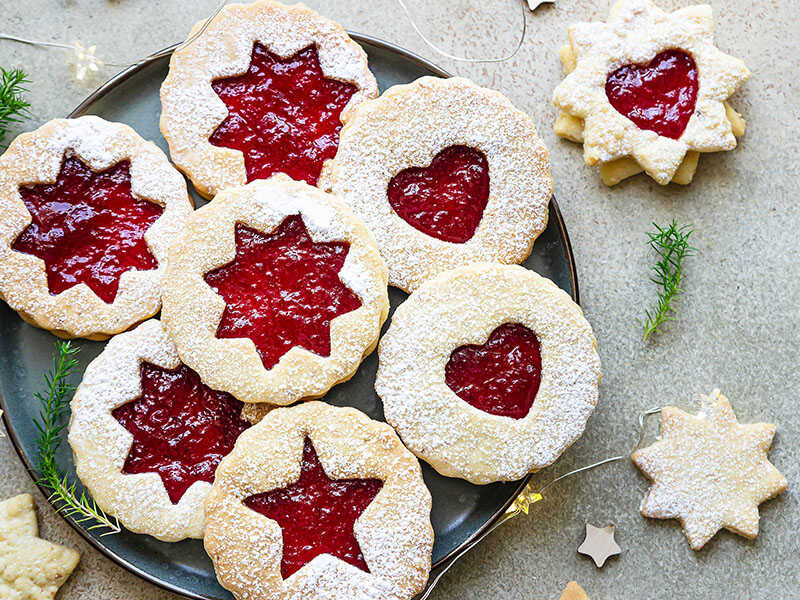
point(105, 88)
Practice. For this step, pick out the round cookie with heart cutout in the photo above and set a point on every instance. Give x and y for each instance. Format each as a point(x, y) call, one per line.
point(488, 372)
point(444, 173)
point(259, 91)
point(333, 506)
point(275, 292)
point(88, 211)
point(646, 91)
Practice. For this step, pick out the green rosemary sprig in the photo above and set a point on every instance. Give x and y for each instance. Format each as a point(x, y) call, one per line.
point(54, 403)
point(672, 245)
point(13, 107)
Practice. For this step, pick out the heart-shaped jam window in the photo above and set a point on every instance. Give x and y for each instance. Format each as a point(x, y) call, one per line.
point(446, 199)
point(659, 96)
point(500, 377)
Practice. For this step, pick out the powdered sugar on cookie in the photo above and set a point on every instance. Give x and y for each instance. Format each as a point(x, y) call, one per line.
point(193, 310)
point(394, 531)
point(635, 33)
point(101, 444)
point(409, 125)
point(191, 110)
point(709, 471)
point(36, 157)
point(462, 307)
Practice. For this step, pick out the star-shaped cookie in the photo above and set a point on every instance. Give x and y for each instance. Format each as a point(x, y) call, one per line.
point(599, 544)
point(646, 64)
point(709, 471)
point(30, 568)
point(573, 592)
point(612, 172)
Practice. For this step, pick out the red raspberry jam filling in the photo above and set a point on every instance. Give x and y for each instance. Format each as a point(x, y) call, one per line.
point(283, 114)
point(317, 514)
point(282, 290)
point(181, 428)
point(87, 228)
point(502, 376)
point(659, 96)
point(446, 199)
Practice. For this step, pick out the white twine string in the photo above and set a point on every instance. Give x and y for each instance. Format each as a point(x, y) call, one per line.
point(98, 61)
point(78, 48)
point(642, 422)
point(466, 59)
point(532, 497)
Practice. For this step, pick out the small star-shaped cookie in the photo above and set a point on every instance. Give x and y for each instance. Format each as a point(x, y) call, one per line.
point(599, 544)
point(573, 592)
point(30, 568)
point(648, 86)
point(708, 471)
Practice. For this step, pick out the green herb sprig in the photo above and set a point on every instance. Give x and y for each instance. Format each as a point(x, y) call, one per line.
point(671, 243)
point(54, 403)
point(13, 107)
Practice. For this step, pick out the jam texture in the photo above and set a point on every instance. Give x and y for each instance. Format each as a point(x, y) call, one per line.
point(446, 199)
point(317, 514)
point(88, 228)
point(181, 428)
point(502, 376)
point(659, 96)
point(282, 290)
point(283, 114)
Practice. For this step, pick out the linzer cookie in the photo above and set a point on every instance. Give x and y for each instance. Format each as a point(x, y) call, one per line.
point(88, 210)
point(262, 90)
point(318, 502)
point(488, 372)
point(275, 293)
point(444, 173)
point(647, 90)
point(148, 435)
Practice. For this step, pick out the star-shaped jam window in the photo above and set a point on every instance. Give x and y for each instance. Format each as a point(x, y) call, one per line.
point(282, 290)
point(316, 514)
point(181, 428)
point(283, 114)
point(709, 471)
point(88, 228)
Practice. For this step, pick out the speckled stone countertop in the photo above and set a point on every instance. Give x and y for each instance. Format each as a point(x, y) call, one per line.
point(736, 328)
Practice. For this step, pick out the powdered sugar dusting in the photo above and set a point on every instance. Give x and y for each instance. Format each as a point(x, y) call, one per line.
point(406, 127)
point(191, 110)
point(192, 310)
point(101, 444)
point(709, 471)
point(636, 31)
point(36, 157)
point(394, 531)
point(462, 307)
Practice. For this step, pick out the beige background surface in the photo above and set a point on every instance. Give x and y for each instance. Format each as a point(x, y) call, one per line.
point(737, 327)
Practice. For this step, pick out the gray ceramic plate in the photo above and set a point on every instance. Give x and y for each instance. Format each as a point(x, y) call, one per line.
point(461, 511)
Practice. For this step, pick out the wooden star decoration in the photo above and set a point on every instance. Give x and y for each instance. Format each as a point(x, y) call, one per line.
point(709, 471)
point(599, 544)
point(30, 568)
point(573, 592)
